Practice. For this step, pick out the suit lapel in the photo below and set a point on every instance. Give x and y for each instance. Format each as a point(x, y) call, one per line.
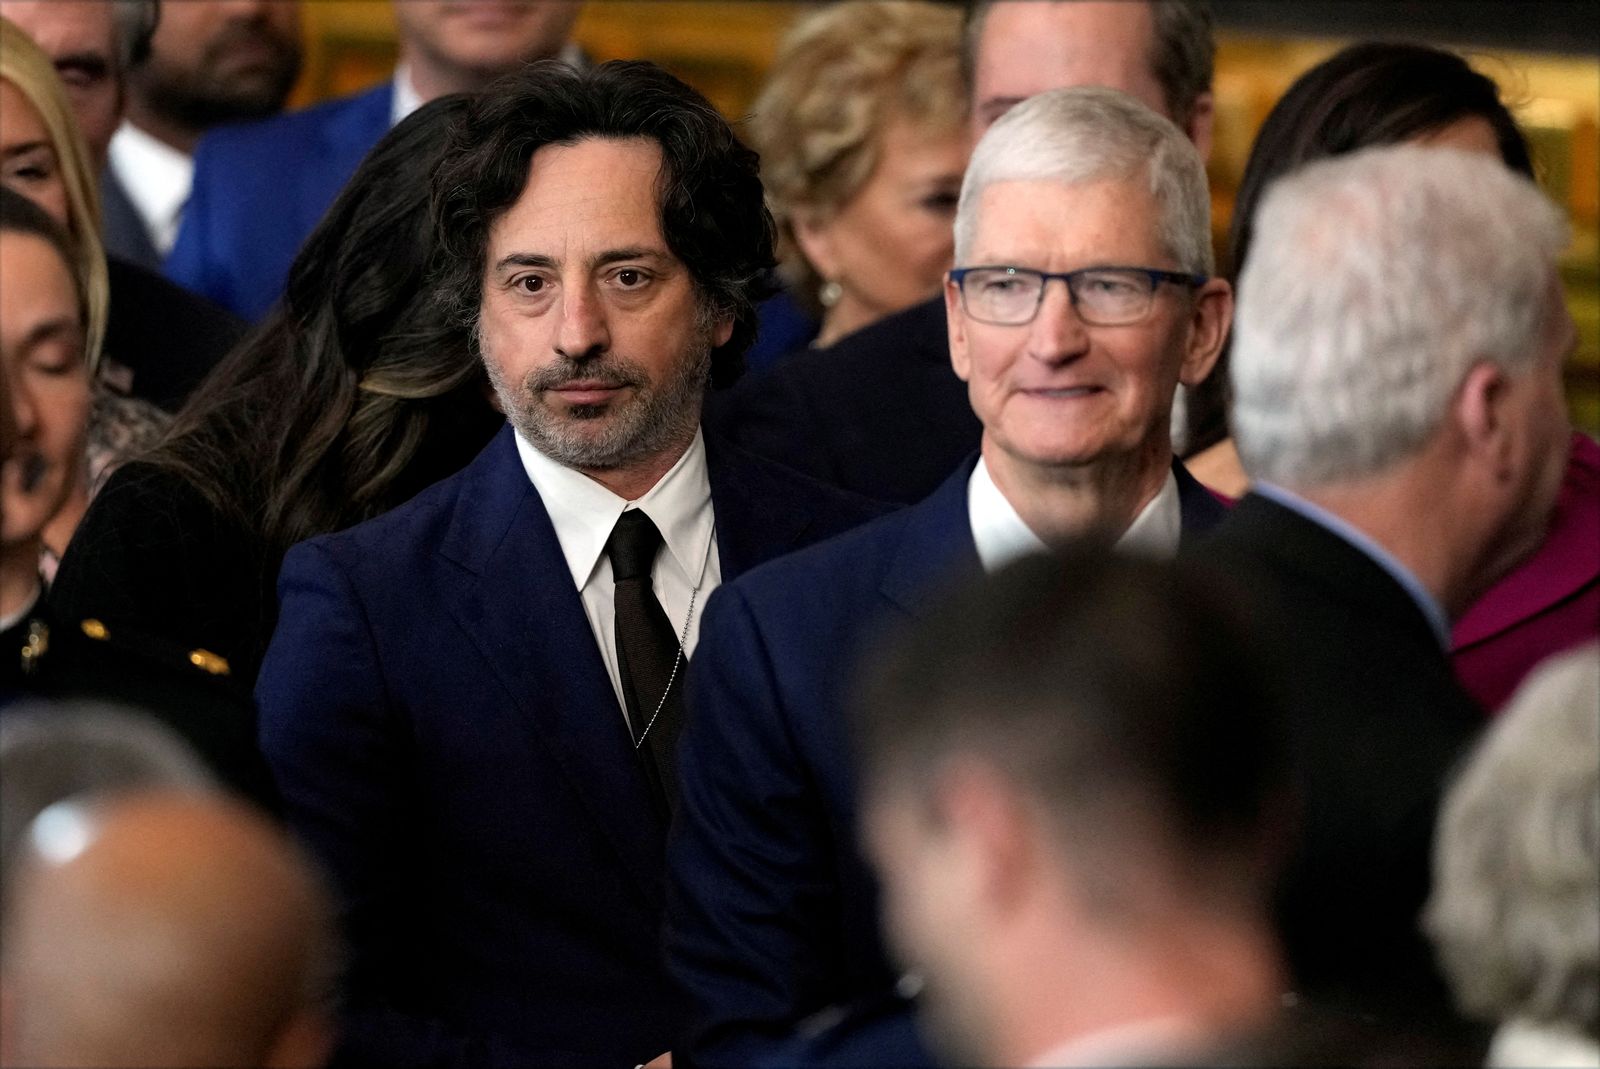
point(936, 546)
point(521, 610)
point(756, 519)
point(1201, 509)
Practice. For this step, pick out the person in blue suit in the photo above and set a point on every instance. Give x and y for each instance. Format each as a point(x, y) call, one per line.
point(471, 703)
point(1082, 300)
point(260, 188)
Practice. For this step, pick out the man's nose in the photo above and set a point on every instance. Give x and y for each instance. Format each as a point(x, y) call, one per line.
point(584, 330)
point(1057, 333)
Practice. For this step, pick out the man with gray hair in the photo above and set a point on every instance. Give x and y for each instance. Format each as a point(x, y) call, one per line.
point(1397, 382)
point(1515, 911)
point(1082, 299)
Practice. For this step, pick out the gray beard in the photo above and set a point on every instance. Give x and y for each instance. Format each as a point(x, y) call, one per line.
point(653, 421)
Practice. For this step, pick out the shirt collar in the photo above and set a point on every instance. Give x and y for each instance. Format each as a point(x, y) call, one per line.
point(583, 512)
point(157, 178)
point(1438, 622)
point(1156, 1041)
point(406, 98)
point(1002, 536)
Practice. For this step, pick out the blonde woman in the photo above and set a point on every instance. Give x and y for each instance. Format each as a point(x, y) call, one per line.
point(43, 157)
point(861, 130)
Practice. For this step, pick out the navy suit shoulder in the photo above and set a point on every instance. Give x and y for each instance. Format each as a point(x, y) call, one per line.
point(880, 412)
point(259, 190)
point(122, 226)
point(1378, 722)
point(447, 740)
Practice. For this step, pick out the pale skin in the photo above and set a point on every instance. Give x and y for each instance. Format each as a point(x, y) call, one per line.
point(1075, 415)
point(81, 41)
point(889, 245)
point(579, 274)
point(455, 47)
point(1030, 46)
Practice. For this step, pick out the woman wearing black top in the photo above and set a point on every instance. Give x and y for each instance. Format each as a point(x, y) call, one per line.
point(351, 397)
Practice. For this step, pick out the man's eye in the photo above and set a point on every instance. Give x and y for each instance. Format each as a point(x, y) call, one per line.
point(530, 284)
point(630, 277)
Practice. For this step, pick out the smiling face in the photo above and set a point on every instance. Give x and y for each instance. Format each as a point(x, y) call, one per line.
point(1058, 392)
point(28, 162)
point(41, 345)
point(592, 331)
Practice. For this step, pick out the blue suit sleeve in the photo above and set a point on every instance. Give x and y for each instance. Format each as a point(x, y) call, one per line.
point(190, 263)
point(752, 928)
point(338, 746)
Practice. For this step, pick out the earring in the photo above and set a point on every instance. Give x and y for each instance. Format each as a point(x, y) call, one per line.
point(830, 293)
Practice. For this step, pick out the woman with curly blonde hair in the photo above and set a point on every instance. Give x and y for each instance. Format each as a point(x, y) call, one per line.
point(861, 130)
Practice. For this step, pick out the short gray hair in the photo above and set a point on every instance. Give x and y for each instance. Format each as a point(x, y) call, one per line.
point(1374, 284)
point(1515, 912)
point(1080, 135)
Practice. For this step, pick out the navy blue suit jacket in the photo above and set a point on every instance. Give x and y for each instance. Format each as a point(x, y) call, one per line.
point(437, 715)
point(772, 911)
point(259, 190)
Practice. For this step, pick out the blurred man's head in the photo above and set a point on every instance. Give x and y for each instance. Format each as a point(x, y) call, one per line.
point(1072, 781)
point(83, 41)
point(1160, 53)
point(1080, 373)
point(215, 61)
point(456, 46)
point(164, 930)
point(1400, 344)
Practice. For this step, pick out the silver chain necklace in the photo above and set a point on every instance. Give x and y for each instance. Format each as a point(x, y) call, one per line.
point(683, 637)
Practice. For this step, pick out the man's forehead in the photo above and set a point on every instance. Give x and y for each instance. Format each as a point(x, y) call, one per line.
point(61, 27)
point(1043, 216)
point(590, 192)
point(1028, 47)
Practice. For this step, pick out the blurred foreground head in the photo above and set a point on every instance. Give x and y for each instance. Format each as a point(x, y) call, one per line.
point(164, 930)
point(1073, 781)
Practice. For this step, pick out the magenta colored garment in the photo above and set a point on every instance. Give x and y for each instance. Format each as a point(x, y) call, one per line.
point(1549, 604)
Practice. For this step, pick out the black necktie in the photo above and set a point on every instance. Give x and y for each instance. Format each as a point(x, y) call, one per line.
point(647, 652)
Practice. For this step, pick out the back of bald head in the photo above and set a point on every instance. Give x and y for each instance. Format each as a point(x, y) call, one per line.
point(164, 929)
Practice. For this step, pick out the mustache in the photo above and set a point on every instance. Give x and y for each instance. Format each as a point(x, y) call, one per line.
point(605, 372)
point(246, 32)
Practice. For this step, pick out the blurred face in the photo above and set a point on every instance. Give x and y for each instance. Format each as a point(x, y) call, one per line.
point(1058, 391)
point(590, 328)
point(1540, 426)
point(890, 244)
point(41, 346)
point(81, 41)
point(214, 61)
point(28, 163)
point(478, 40)
point(1030, 46)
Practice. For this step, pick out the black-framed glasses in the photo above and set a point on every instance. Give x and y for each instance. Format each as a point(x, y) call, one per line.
point(1102, 296)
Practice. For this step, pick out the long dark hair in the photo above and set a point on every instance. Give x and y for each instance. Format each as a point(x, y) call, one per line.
point(1375, 93)
point(713, 211)
point(357, 391)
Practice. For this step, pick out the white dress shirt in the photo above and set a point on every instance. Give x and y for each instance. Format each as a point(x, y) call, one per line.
point(583, 513)
point(1002, 536)
point(157, 178)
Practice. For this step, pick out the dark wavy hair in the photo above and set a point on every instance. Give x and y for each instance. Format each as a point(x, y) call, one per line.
point(1375, 93)
point(358, 390)
point(713, 214)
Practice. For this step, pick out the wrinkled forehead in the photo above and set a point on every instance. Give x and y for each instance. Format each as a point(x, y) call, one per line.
point(1040, 221)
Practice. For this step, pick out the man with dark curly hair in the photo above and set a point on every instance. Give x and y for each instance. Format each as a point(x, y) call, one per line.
point(471, 703)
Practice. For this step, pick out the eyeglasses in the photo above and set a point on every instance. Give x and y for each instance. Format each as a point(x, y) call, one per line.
point(1102, 296)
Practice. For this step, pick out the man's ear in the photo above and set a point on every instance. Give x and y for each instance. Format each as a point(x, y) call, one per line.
point(1480, 417)
point(1209, 320)
point(956, 323)
point(1200, 123)
point(992, 832)
point(722, 332)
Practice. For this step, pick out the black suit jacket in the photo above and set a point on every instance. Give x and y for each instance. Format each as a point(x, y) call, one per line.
point(880, 412)
point(1377, 724)
point(165, 335)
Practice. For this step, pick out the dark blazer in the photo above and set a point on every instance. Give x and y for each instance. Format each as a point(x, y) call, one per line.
point(772, 912)
point(447, 741)
point(166, 336)
point(259, 190)
point(880, 412)
point(1377, 723)
point(121, 225)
